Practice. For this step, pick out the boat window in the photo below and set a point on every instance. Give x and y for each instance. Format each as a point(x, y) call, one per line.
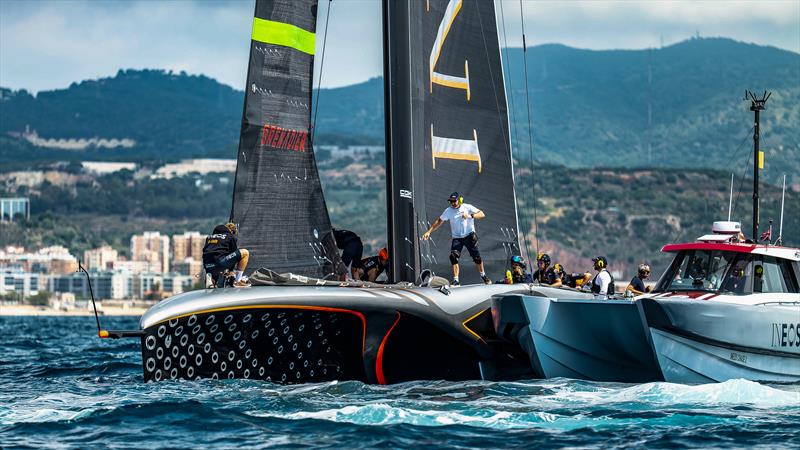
point(772, 275)
point(697, 270)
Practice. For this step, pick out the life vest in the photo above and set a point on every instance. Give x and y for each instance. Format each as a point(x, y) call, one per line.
point(596, 286)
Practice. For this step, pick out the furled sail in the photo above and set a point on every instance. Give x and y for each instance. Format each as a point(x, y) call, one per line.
point(447, 130)
point(278, 200)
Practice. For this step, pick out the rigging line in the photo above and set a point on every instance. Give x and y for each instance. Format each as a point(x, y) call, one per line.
point(530, 132)
point(513, 131)
point(506, 141)
point(736, 157)
point(321, 67)
point(739, 190)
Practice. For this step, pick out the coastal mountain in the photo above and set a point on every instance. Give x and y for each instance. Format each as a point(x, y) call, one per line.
point(679, 106)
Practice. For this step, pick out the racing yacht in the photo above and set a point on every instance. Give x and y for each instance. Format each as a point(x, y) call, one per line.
point(446, 130)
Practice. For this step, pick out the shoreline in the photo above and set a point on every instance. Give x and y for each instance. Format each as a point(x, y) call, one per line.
point(29, 310)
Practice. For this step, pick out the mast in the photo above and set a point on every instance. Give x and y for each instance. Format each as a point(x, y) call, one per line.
point(756, 105)
point(400, 214)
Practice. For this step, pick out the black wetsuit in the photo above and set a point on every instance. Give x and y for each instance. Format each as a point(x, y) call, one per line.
point(350, 245)
point(221, 251)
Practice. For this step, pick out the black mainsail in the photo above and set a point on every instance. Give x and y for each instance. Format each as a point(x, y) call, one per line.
point(278, 200)
point(447, 130)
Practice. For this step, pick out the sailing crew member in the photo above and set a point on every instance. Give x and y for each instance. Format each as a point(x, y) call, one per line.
point(569, 279)
point(636, 286)
point(371, 268)
point(462, 229)
point(603, 282)
point(352, 249)
point(544, 274)
point(518, 272)
point(221, 252)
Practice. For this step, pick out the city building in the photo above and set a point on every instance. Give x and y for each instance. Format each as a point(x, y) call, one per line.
point(153, 248)
point(106, 285)
point(188, 245)
point(10, 208)
point(54, 259)
point(21, 283)
point(102, 258)
point(188, 266)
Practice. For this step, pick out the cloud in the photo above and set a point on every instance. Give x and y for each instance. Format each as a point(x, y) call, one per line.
point(49, 44)
point(642, 24)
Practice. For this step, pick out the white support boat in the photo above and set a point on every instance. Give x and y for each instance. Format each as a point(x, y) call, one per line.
point(726, 310)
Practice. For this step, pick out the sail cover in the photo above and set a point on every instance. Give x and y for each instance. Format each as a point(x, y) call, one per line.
point(278, 201)
point(448, 131)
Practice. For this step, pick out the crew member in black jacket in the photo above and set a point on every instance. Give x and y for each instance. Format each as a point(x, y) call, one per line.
point(222, 253)
point(352, 249)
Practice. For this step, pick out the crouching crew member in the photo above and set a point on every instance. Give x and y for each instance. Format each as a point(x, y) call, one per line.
point(544, 274)
point(371, 268)
point(603, 282)
point(221, 252)
point(636, 285)
point(569, 279)
point(518, 272)
point(352, 249)
point(462, 228)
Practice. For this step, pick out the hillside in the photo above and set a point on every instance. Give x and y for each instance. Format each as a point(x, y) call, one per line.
point(624, 215)
point(589, 109)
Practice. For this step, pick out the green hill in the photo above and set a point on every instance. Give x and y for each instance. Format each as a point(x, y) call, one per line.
point(589, 109)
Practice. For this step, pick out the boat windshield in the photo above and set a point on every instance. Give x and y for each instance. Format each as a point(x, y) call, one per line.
point(727, 273)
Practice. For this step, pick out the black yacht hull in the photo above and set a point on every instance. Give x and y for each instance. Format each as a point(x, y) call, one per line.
point(300, 334)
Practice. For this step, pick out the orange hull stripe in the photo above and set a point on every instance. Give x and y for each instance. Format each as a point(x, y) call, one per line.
point(379, 359)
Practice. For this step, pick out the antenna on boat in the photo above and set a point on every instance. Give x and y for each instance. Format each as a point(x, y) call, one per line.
point(730, 199)
point(756, 105)
point(779, 241)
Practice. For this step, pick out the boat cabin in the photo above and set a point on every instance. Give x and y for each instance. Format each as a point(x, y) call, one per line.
point(723, 263)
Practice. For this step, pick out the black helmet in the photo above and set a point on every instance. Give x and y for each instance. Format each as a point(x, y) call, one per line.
point(519, 261)
point(558, 268)
point(644, 269)
point(545, 258)
point(600, 262)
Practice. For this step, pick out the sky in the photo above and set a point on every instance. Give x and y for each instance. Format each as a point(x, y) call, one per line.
point(48, 44)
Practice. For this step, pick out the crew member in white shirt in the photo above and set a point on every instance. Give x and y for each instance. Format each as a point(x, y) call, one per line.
point(462, 228)
point(603, 282)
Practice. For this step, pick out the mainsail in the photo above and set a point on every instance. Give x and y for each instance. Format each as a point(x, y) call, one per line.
point(447, 130)
point(278, 200)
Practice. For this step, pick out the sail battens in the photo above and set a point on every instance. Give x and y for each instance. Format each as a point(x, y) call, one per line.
point(278, 200)
point(431, 43)
point(284, 34)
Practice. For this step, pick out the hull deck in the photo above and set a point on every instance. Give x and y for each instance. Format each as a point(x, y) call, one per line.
point(298, 334)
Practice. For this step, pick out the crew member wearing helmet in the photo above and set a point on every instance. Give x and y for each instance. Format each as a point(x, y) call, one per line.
point(221, 252)
point(372, 267)
point(544, 274)
point(603, 282)
point(518, 272)
point(462, 229)
point(636, 286)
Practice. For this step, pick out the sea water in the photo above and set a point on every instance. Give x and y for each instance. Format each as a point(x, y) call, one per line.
point(62, 387)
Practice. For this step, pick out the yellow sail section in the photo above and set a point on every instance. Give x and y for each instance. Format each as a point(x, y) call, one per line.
point(284, 34)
